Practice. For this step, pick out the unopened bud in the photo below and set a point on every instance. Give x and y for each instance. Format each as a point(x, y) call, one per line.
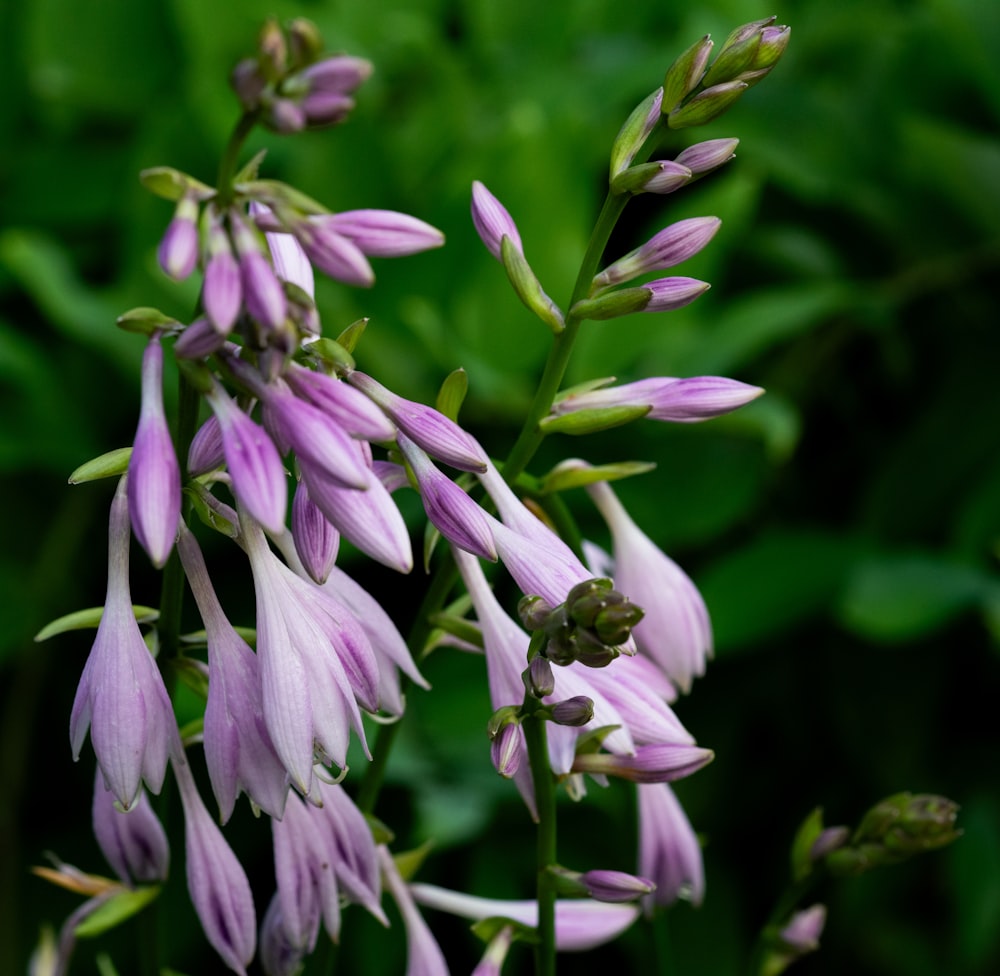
point(590, 651)
point(734, 58)
point(248, 82)
point(538, 677)
point(533, 612)
point(505, 750)
point(828, 841)
point(587, 599)
point(615, 886)
point(637, 129)
point(685, 74)
point(705, 156)
point(706, 105)
point(304, 41)
point(614, 624)
point(574, 712)
point(273, 49)
point(803, 930)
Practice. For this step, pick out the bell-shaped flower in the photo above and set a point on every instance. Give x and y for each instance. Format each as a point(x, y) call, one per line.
point(154, 477)
point(316, 664)
point(133, 843)
point(121, 697)
point(178, 250)
point(671, 246)
point(455, 515)
point(222, 292)
point(384, 233)
point(428, 428)
point(675, 631)
point(316, 540)
point(216, 881)
point(580, 924)
point(238, 749)
point(423, 956)
point(278, 955)
point(343, 404)
point(492, 221)
point(669, 852)
point(687, 400)
point(258, 476)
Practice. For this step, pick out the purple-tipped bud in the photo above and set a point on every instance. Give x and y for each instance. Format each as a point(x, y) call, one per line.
point(829, 840)
point(671, 246)
point(154, 483)
point(637, 129)
point(348, 407)
point(506, 750)
point(669, 294)
point(428, 428)
point(457, 517)
point(707, 105)
point(342, 73)
point(222, 294)
point(262, 292)
point(206, 452)
point(121, 697)
point(217, 883)
point(615, 886)
point(133, 843)
point(259, 479)
point(663, 176)
point(248, 82)
point(278, 955)
point(804, 929)
point(321, 108)
point(539, 679)
point(178, 251)
point(385, 233)
point(200, 339)
point(660, 762)
point(492, 222)
point(316, 540)
point(573, 712)
point(703, 157)
point(284, 116)
point(333, 253)
point(685, 74)
point(686, 400)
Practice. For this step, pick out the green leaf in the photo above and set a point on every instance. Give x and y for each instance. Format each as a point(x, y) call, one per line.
point(451, 396)
point(408, 862)
point(805, 837)
point(90, 618)
point(113, 464)
point(487, 929)
point(562, 479)
point(116, 910)
point(251, 168)
point(145, 321)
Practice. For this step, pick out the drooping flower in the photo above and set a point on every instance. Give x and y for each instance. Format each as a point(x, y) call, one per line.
point(384, 233)
point(675, 631)
point(134, 843)
point(178, 250)
point(238, 748)
point(121, 697)
point(316, 540)
point(216, 881)
point(154, 482)
point(669, 852)
point(262, 292)
point(222, 292)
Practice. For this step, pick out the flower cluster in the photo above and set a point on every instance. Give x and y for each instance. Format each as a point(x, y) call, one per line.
point(605, 653)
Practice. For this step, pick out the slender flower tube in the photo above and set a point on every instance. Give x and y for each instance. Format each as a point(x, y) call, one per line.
point(238, 749)
point(492, 221)
point(669, 247)
point(684, 401)
point(314, 660)
point(259, 479)
point(424, 956)
point(154, 482)
point(222, 293)
point(133, 843)
point(262, 292)
point(121, 697)
point(217, 883)
point(675, 631)
point(178, 250)
point(384, 233)
point(669, 852)
point(496, 953)
point(580, 924)
point(456, 516)
point(316, 540)
point(428, 428)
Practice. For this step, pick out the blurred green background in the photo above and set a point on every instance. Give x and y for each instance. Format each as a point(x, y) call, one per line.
point(844, 528)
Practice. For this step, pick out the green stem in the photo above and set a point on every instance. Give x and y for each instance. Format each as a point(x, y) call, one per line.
point(230, 158)
point(783, 908)
point(545, 805)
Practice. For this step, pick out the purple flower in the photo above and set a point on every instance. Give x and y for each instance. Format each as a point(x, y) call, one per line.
point(222, 293)
point(238, 749)
point(341, 73)
point(656, 763)
point(668, 294)
point(705, 156)
point(316, 540)
point(278, 955)
point(669, 247)
point(206, 451)
point(580, 924)
point(217, 883)
point(178, 250)
point(333, 253)
point(456, 516)
point(200, 339)
point(316, 664)
point(154, 482)
point(686, 400)
point(384, 233)
point(262, 292)
point(290, 261)
point(133, 843)
point(615, 887)
point(492, 222)
point(496, 953)
point(121, 697)
point(259, 479)
point(803, 930)
point(428, 428)
point(669, 852)
point(424, 956)
point(675, 630)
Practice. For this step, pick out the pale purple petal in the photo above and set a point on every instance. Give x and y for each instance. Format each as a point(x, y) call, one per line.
point(385, 233)
point(669, 852)
point(346, 406)
point(424, 956)
point(492, 221)
point(669, 294)
point(316, 540)
point(333, 253)
point(133, 843)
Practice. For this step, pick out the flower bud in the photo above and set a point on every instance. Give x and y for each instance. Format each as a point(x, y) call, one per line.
point(248, 82)
point(574, 712)
point(705, 156)
point(133, 843)
point(615, 886)
point(803, 930)
point(178, 250)
point(533, 612)
point(273, 51)
point(538, 677)
point(707, 105)
point(506, 750)
point(662, 176)
point(637, 129)
point(492, 221)
point(685, 74)
point(304, 41)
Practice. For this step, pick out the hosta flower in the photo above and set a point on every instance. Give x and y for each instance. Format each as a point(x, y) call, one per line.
point(675, 631)
point(238, 749)
point(669, 852)
point(178, 250)
point(121, 697)
point(133, 843)
point(217, 883)
point(222, 291)
point(154, 481)
point(492, 221)
point(316, 540)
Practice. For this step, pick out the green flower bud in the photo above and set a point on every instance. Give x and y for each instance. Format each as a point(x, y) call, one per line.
point(304, 41)
point(533, 612)
point(538, 678)
point(614, 623)
point(706, 105)
point(272, 50)
point(587, 599)
point(685, 74)
point(528, 287)
point(733, 59)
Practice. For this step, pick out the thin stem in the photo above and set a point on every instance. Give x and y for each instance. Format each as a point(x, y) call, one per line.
point(230, 157)
point(783, 908)
point(545, 805)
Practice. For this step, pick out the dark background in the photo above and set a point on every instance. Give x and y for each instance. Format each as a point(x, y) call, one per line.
point(843, 529)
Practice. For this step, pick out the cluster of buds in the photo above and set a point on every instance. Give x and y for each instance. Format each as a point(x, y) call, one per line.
point(290, 87)
point(590, 626)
